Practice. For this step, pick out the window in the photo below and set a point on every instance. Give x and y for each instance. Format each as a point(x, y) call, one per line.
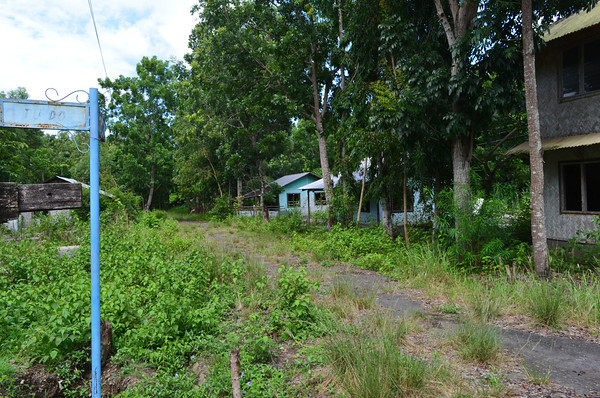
point(366, 206)
point(580, 187)
point(293, 199)
point(320, 199)
point(398, 202)
point(581, 69)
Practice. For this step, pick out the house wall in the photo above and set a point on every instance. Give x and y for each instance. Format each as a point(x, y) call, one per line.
point(560, 117)
point(562, 227)
point(293, 187)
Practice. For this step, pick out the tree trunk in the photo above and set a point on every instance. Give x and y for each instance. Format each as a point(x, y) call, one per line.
point(536, 153)
point(362, 192)
point(461, 169)
point(239, 187)
point(386, 215)
point(462, 14)
point(152, 182)
point(405, 200)
point(319, 107)
point(263, 205)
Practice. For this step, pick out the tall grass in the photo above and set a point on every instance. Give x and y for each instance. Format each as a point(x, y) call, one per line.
point(369, 362)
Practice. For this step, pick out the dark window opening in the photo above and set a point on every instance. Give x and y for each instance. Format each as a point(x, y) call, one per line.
point(293, 200)
point(592, 185)
point(398, 203)
point(570, 79)
point(366, 206)
point(591, 66)
point(581, 187)
point(572, 187)
point(580, 69)
point(320, 199)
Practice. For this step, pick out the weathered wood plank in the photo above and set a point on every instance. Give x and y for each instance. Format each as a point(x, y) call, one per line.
point(9, 201)
point(34, 197)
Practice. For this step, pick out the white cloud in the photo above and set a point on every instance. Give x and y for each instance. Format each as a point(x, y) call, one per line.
point(52, 43)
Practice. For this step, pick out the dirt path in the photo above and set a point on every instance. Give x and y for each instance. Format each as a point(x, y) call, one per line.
point(573, 365)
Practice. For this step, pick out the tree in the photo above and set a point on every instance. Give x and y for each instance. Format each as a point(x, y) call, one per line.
point(538, 222)
point(141, 111)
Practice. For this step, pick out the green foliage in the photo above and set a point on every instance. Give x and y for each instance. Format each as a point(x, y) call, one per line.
point(290, 222)
point(295, 312)
point(140, 113)
point(7, 377)
point(221, 209)
point(490, 231)
point(157, 293)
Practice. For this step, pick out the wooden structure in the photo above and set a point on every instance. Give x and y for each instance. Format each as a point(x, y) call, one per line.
point(15, 199)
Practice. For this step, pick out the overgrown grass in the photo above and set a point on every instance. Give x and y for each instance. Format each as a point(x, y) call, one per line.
point(369, 362)
point(477, 341)
point(545, 303)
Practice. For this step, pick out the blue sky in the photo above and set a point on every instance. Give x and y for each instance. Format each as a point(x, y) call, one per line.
point(52, 43)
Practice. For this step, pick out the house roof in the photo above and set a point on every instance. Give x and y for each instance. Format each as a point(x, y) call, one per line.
point(282, 182)
point(559, 143)
point(288, 179)
point(573, 23)
point(318, 185)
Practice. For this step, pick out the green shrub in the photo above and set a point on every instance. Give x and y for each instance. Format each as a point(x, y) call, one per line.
point(292, 221)
point(295, 312)
point(222, 208)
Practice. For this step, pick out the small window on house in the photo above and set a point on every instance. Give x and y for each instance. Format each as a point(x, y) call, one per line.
point(320, 199)
point(366, 206)
point(293, 200)
point(398, 203)
point(581, 187)
point(581, 69)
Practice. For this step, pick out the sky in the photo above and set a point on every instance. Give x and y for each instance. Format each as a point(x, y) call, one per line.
point(52, 43)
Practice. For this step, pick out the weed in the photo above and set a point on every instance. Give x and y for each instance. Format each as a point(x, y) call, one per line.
point(545, 303)
point(484, 306)
point(447, 308)
point(373, 365)
point(477, 342)
point(537, 377)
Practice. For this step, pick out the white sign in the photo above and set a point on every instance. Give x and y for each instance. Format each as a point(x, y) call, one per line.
point(44, 115)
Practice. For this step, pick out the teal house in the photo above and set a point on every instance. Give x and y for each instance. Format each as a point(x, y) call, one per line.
point(292, 197)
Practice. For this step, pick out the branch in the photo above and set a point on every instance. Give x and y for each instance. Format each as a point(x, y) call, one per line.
point(444, 20)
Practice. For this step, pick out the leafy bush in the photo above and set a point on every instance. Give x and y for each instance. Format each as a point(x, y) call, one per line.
point(295, 312)
point(486, 235)
point(222, 209)
point(292, 221)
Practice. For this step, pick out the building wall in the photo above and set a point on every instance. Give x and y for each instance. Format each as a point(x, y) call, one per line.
point(561, 117)
point(562, 227)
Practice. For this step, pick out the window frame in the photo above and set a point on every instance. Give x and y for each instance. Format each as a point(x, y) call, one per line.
point(582, 186)
point(293, 203)
point(581, 93)
point(321, 200)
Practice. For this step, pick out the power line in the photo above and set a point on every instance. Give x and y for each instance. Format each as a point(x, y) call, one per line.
point(97, 37)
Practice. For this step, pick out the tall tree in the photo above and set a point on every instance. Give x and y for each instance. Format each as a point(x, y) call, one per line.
point(536, 153)
point(141, 111)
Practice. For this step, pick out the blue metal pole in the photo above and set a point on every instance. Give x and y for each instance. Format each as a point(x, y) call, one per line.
point(95, 242)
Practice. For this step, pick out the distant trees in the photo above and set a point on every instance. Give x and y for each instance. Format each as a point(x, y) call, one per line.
point(141, 110)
